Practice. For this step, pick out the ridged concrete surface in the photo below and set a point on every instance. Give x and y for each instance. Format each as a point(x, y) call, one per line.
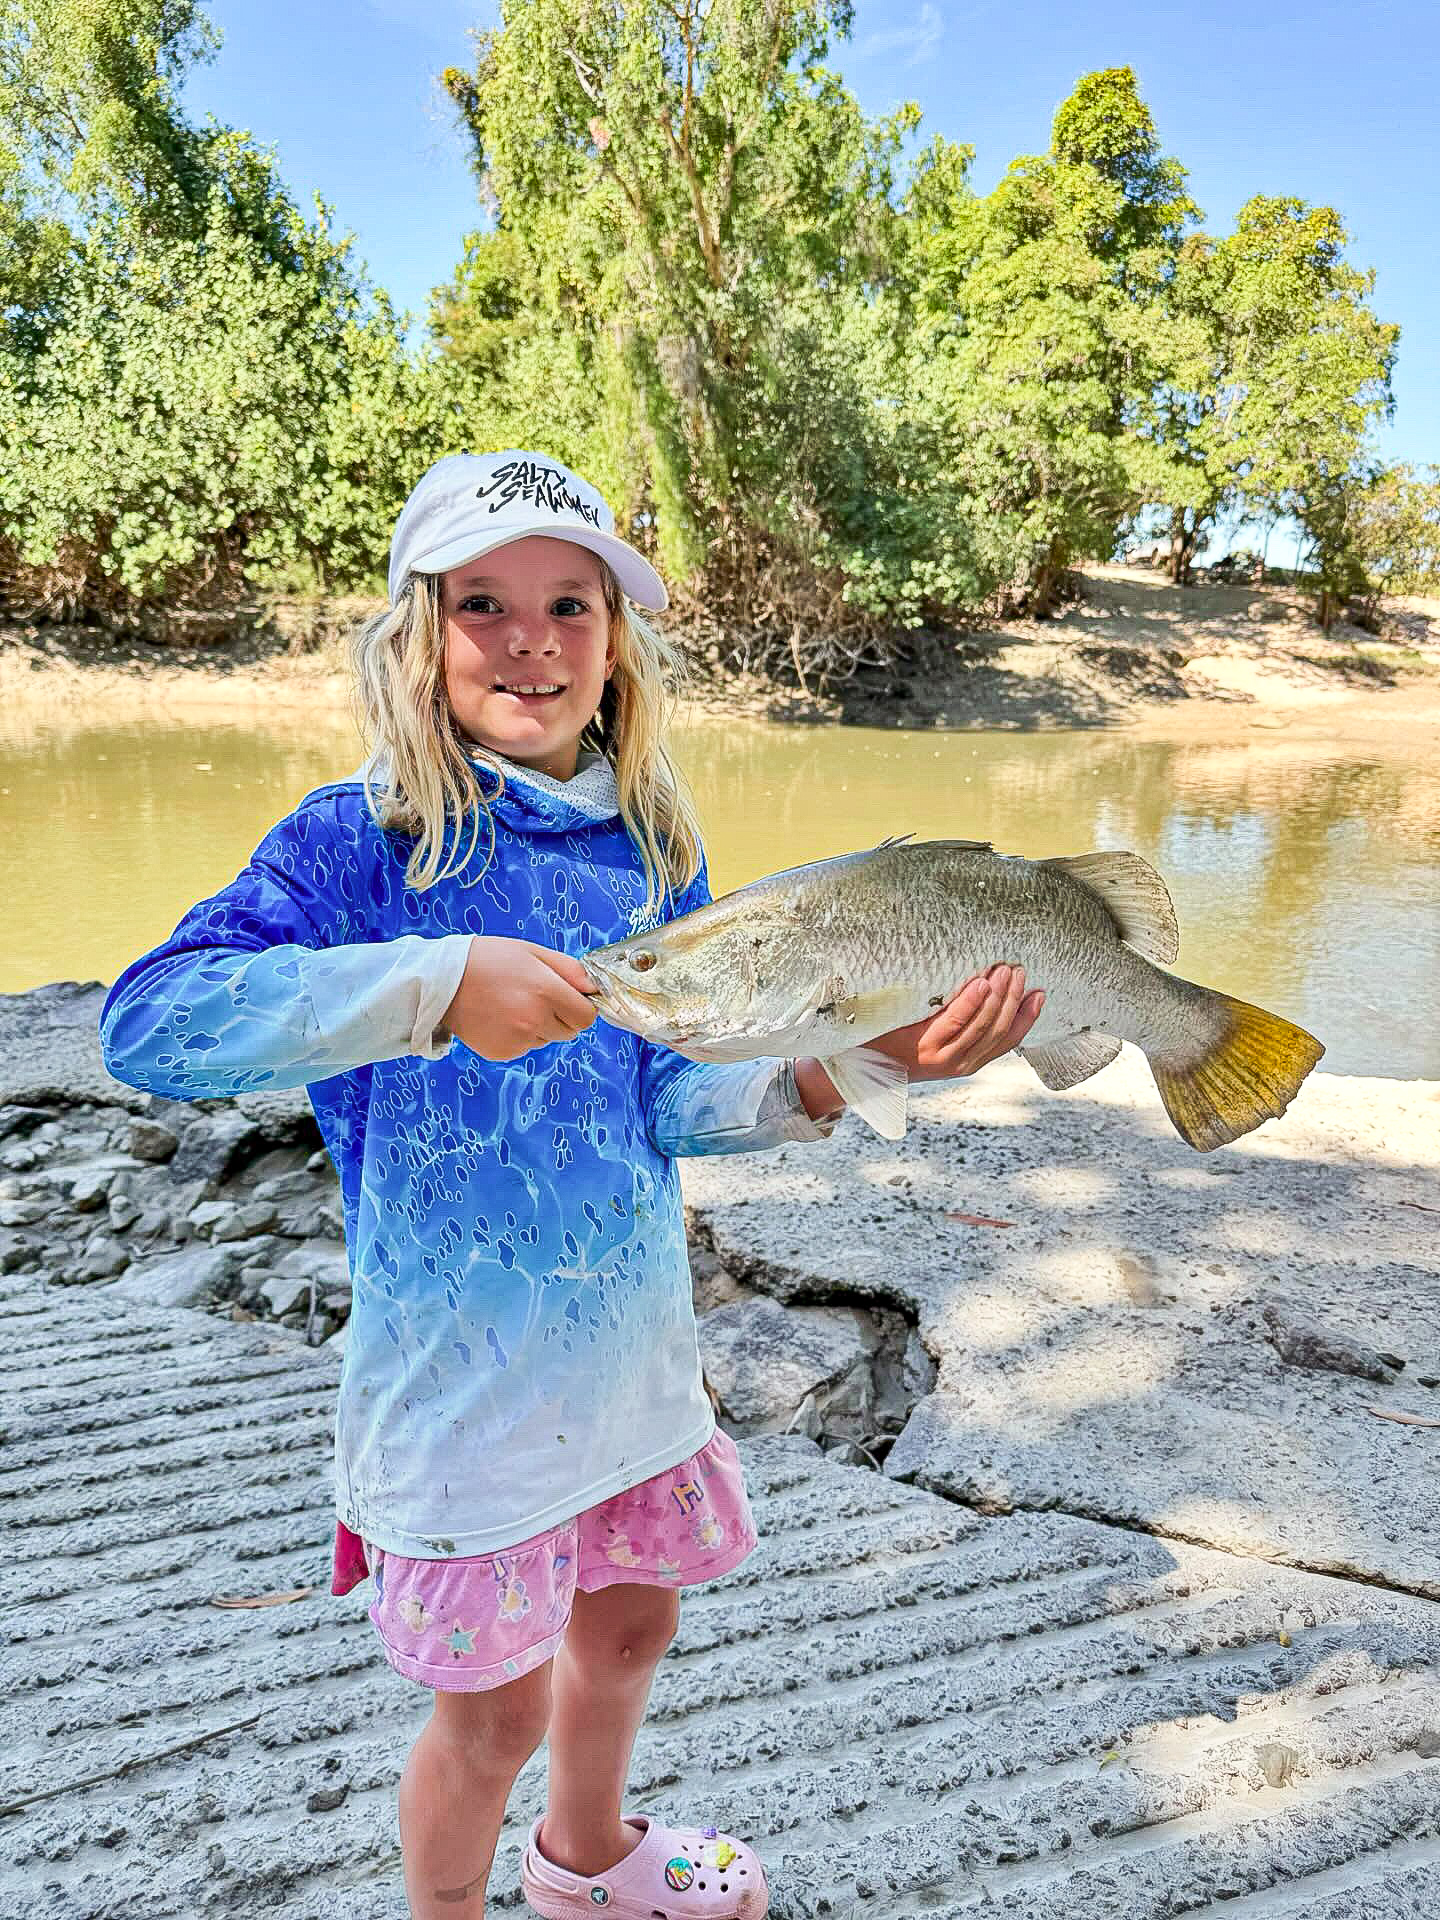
point(908, 1706)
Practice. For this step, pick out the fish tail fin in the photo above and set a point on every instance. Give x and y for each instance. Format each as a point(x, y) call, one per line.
point(1250, 1072)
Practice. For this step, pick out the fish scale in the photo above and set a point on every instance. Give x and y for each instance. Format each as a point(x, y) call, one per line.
point(821, 959)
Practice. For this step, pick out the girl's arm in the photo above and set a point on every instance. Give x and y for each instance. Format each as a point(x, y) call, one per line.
point(263, 985)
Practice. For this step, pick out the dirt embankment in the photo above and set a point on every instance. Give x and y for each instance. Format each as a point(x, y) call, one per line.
point(1128, 649)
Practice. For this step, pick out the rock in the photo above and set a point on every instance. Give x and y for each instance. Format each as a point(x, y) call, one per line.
point(154, 1222)
point(151, 1140)
point(50, 1048)
point(24, 1213)
point(285, 1292)
point(19, 1158)
point(338, 1341)
point(321, 1259)
point(212, 1214)
point(312, 1219)
point(764, 1359)
point(16, 1252)
point(21, 1120)
point(298, 1184)
point(246, 1222)
point(1277, 1762)
point(285, 1116)
point(259, 1256)
point(1301, 1342)
point(327, 1799)
point(103, 1257)
point(191, 1278)
point(213, 1145)
point(321, 1163)
point(182, 1202)
point(917, 1369)
point(123, 1212)
point(712, 1284)
point(338, 1302)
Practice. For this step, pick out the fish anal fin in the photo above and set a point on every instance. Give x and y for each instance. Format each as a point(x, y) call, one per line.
point(1066, 1062)
point(1135, 896)
point(874, 1085)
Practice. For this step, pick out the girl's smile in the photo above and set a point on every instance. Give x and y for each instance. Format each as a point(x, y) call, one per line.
point(528, 649)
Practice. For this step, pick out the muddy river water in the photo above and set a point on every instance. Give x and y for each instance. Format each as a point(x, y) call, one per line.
point(1306, 874)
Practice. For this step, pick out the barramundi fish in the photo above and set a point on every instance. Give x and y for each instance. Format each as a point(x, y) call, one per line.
point(820, 959)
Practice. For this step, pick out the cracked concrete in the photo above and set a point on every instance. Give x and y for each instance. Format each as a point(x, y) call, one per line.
point(1241, 1348)
point(911, 1707)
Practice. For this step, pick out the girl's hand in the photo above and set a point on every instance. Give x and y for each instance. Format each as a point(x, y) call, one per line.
point(514, 995)
point(988, 1016)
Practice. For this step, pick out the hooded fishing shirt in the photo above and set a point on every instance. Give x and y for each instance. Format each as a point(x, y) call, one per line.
point(521, 1342)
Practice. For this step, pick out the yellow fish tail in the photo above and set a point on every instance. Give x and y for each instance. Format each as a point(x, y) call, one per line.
point(1249, 1074)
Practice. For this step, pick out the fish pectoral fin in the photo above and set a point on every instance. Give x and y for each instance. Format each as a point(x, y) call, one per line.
point(878, 1012)
point(874, 1085)
point(1066, 1062)
point(1135, 897)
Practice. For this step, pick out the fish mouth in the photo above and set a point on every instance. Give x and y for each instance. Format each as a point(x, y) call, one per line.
point(629, 1006)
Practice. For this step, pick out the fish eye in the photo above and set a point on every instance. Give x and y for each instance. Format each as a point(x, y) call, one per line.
point(642, 960)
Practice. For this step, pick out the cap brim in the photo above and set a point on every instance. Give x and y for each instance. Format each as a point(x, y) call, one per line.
point(638, 579)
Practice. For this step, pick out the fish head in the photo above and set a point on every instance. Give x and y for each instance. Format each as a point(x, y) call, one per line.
point(688, 981)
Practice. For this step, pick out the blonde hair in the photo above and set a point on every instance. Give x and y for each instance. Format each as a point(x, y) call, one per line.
point(421, 773)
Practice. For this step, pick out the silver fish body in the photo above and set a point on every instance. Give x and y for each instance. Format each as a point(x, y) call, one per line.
point(822, 958)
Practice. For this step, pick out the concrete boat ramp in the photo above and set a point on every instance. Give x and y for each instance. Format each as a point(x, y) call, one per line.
point(913, 1707)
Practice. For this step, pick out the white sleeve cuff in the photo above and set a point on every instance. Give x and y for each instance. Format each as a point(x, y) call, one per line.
point(438, 976)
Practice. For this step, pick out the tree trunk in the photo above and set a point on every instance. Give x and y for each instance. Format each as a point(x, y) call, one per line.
point(1048, 578)
point(1183, 539)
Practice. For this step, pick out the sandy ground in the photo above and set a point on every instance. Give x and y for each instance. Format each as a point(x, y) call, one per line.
point(1129, 650)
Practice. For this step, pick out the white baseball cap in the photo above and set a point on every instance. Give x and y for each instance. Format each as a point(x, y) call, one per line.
point(470, 503)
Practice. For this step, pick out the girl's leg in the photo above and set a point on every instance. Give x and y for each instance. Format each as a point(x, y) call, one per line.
point(454, 1789)
point(600, 1682)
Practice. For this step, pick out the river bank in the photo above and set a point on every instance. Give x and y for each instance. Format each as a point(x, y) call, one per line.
point(1128, 650)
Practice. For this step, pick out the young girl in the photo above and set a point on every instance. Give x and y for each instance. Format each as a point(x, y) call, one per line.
point(526, 1461)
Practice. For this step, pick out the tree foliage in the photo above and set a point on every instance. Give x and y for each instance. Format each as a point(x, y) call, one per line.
point(196, 385)
point(837, 391)
point(1039, 307)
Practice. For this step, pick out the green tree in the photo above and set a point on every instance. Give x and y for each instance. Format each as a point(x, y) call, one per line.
point(689, 214)
point(1040, 304)
point(197, 387)
point(1278, 368)
point(1397, 531)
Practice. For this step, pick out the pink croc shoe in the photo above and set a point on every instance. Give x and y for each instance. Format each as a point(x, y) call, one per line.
point(676, 1873)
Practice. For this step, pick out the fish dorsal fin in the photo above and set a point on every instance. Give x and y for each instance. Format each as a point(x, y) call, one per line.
point(1066, 1062)
point(1135, 896)
point(909, 840)
point(874, 1085)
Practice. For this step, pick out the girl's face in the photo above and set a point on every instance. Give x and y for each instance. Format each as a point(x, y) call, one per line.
point(527, 650)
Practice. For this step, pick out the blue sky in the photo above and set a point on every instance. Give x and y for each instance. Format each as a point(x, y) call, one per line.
point(1333, 102)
